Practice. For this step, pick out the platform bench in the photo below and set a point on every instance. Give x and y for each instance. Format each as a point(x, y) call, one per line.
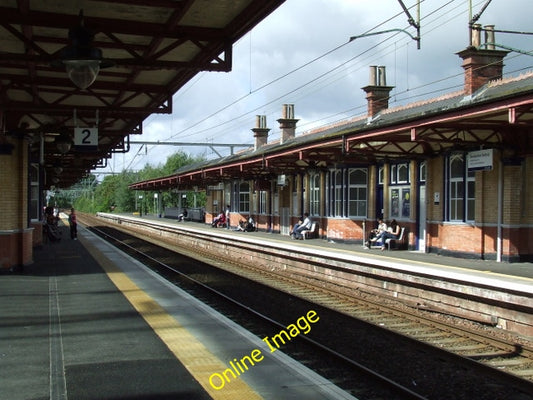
point(311, 232)
point(398, 244)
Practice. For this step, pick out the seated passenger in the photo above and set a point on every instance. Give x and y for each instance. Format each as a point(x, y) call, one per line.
point(382, 227)
point(393, 232)
point(301, 226)
point(183, 215)
point(246, 226)
point(220, 220)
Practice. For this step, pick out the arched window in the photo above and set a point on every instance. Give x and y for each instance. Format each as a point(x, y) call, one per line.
point(400, 191)
point(403, 173)
point(337, 192)
point(461, 190)
point(422, 177)
point(314, 194)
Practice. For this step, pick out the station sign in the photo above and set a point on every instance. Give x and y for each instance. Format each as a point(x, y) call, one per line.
point(86, 139)
point(480, 160)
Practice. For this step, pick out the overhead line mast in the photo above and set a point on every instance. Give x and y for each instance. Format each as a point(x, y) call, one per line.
point(410, 19)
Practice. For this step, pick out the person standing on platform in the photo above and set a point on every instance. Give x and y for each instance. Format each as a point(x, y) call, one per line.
point(227, 216)
point(73, 225)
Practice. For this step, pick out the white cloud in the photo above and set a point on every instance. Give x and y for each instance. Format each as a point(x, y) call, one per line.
point(328, 89)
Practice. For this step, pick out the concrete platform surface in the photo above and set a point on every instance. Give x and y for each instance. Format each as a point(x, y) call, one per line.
point(86, 321)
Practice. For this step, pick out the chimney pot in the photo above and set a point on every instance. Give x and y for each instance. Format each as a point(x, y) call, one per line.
point(382, 76)
point(260, 121)
point(287, 122)
point(476, 36)
point(490, 37)
point(373, 81)
point(481, 65)
point(377, 93)
point(260, 131)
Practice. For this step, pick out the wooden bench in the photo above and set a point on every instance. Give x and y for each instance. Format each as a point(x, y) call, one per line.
point(311, 232)
point(399, 243)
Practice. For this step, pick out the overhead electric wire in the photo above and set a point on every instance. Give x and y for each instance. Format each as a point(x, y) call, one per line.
point(333, 74)
point(279, 78)
point(308, 82)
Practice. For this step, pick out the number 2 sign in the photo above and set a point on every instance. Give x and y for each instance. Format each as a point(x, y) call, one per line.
point(86, 139)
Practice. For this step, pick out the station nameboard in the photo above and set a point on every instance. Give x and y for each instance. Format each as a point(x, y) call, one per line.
point(480, 160)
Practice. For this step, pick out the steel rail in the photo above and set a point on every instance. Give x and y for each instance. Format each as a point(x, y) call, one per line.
point(404, 391)
point(501, 344)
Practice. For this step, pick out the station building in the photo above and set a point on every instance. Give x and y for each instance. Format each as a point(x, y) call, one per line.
point(455, 171)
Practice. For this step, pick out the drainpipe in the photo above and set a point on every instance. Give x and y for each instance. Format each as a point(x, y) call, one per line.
point(500, 209)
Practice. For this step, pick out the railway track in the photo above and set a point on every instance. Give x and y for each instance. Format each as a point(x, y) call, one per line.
point(493, 355)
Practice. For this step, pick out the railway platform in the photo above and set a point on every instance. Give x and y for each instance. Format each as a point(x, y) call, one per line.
point(489, 292)
point(432, 260)
point(85, 321)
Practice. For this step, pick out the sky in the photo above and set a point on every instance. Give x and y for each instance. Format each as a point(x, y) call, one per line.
point(301, 54)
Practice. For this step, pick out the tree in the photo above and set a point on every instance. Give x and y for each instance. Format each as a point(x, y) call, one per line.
point(113, 192)
point(173, 163)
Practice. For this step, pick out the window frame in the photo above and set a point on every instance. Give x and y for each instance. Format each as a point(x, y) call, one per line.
point(262, 202)
point(243, 197)
point(340, 195)
point(396, 172)
point(314, 194)
point(360, 203)
point(461, 190)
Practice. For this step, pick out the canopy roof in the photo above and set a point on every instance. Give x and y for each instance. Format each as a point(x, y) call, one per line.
point(151, 48)
point(499, 115)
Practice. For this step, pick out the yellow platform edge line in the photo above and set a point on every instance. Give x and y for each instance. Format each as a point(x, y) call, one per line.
point(184, 345)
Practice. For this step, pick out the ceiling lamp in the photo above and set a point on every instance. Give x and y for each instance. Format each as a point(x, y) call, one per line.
point(63, 143)
point(58, 168)
point(82, 61)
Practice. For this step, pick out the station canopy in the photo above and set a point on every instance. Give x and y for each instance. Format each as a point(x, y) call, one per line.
point(139, 53)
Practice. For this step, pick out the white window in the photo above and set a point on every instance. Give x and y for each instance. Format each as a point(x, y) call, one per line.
point(314, 194)
point(263, 201)
point(399, 173)
point(244, 197)
point(403, 173)
point(422, 172)
point(400, 191)
point(461, 189)
point(348, 192)
point(381, 175)
point(357, 192)
point(337, 194)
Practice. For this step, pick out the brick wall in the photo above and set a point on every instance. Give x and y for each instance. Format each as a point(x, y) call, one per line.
point(345, 230)
point(477, 239)
point(16, 247)
point(13, 181)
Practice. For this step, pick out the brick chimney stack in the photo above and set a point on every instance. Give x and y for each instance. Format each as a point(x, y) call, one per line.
point(287, 123)
point(481, 65)
point(377, 92)
point(260, 131)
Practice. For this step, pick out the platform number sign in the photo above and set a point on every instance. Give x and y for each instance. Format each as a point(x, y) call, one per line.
point(86, 139)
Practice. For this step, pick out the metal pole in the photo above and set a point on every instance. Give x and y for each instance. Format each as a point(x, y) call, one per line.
point(500, 209)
